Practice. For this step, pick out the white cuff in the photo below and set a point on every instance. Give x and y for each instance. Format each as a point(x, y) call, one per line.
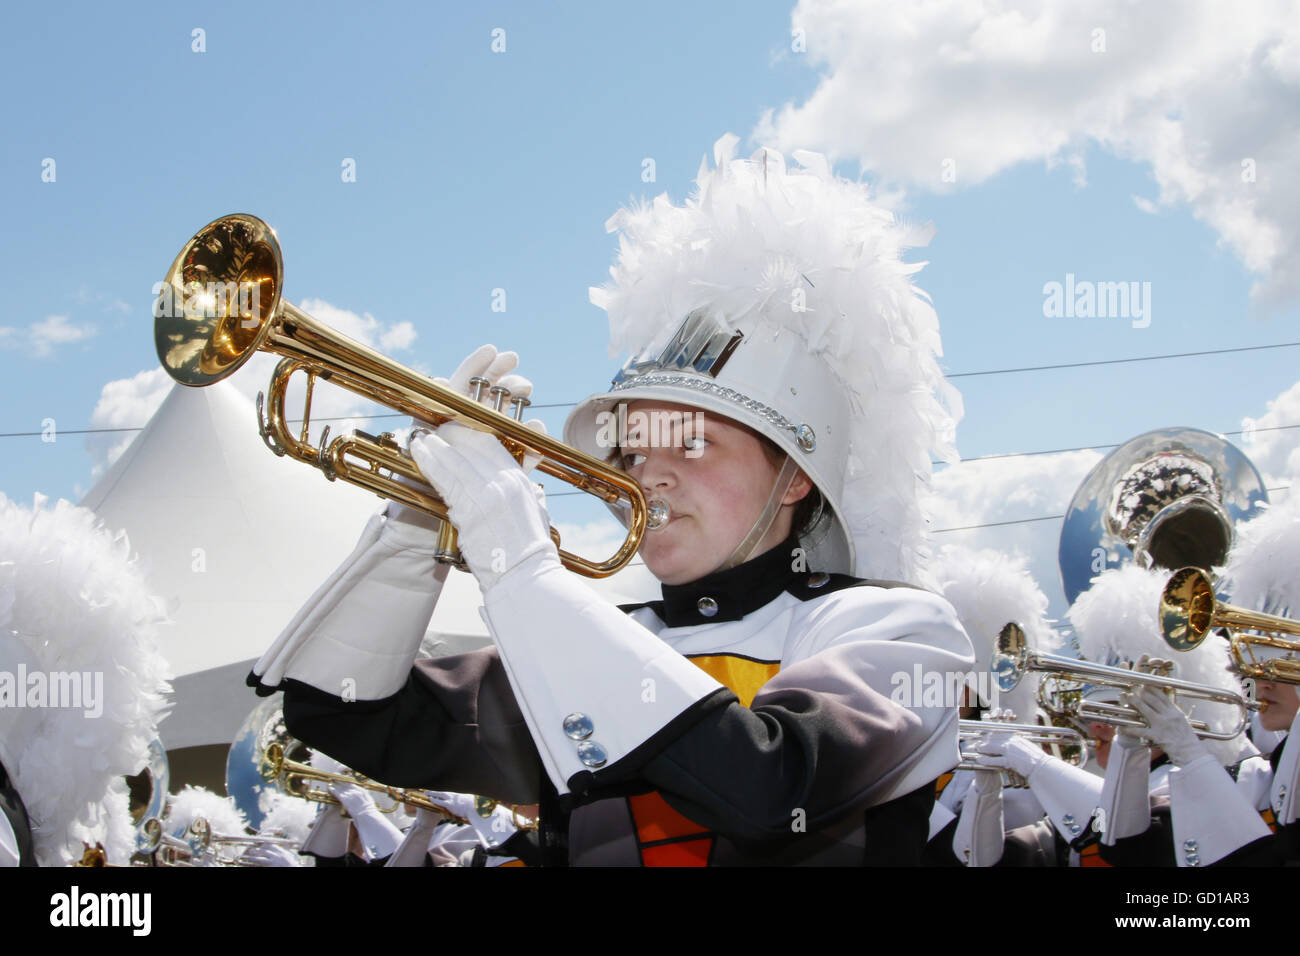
point(940, 817)
point(357, 636)
point(1282, 796)
point(378, 835)
point(1210, 816)
point(980, 835)
point(1126, 796)
point(1068, 794)
point(414, 846)
point(593, 684)
point(8, 843)
point(328, 837)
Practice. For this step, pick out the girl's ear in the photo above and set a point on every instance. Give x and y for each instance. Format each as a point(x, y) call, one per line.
point(799, 489)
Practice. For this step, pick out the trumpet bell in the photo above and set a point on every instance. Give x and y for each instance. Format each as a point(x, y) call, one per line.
point(218, 299)
point(1187, 609)
point(1010, 656)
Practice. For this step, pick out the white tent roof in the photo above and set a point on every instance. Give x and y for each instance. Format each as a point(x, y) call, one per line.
point(235, 540)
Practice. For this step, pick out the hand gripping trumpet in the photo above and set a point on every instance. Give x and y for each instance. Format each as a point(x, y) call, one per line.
point(294, 777)
point(1189, 611)
point(221, 302)
point(1059, 691)
point(1066, 743)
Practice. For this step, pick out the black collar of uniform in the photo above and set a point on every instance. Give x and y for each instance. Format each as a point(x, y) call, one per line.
point(731, 594)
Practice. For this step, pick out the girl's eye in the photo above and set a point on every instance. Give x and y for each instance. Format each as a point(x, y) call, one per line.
point(632, 459)
point(695, 444)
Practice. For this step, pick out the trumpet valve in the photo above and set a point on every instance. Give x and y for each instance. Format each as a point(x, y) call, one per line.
point(476, 386)
point(517, 405)
point(499, 396)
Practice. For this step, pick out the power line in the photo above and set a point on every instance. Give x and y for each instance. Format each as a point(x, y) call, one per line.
point(1123, 361)
point(999, 524)
point(997, 371)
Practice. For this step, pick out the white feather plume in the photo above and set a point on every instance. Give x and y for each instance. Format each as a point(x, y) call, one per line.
point(753, 236)
point(989, 589)
point(220, 812)
point(292, 816)
point(1116, 620)
point(1263, 569)
point(72, 600)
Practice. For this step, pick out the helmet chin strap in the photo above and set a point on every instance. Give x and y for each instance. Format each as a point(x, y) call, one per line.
point(745, 550)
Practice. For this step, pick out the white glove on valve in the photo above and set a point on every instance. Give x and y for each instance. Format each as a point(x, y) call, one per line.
point(1169, 727)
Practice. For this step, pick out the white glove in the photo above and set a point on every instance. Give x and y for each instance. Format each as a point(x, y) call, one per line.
point(1019, 755)
point(484, 362)
point(271, 854)
point(378, 835)
point(1169, 727)
point(491, 830)
point(500, 515)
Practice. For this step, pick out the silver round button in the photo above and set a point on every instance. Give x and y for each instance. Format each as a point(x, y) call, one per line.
point(707, 606)
point(592, 754)
point(818, 579)
point(578, 726)
point(806, 437)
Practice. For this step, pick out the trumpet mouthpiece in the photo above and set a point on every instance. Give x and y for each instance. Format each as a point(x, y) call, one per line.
point(658, 514)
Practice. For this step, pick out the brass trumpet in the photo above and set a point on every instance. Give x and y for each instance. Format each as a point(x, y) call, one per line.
point(1066, 743)
point(293, 777)
point(1012, 659)
point(1189, 610)
point(203, 842)
point(221, 302)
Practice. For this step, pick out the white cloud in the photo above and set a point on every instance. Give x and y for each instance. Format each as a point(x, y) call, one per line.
point(1146, 205)
point(985, 492)
point(363, 327)
point(1206, 93)
point(40, 339)
point(398, 337)
point(1273, 447)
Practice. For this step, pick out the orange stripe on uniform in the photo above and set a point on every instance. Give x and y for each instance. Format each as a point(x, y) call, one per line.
point(654, 819)
point(687, 853)
point(1091, 856)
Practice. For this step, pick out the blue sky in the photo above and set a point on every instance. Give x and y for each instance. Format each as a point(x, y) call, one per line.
point(478, 170)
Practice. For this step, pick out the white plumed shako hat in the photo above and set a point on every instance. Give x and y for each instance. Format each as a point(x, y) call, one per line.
point(779, 299)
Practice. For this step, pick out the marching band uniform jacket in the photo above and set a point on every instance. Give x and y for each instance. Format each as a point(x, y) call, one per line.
point(754, 722)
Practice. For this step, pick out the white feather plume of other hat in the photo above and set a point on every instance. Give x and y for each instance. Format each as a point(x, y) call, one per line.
point(73, 601)
point(989, 589)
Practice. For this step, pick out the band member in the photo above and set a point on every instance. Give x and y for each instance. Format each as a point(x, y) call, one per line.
point(1167, 797)
point(780, 409)
point(980, 819)
point(1263, 573)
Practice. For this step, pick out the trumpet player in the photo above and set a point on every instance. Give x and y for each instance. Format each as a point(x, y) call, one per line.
point(1263, 572)
point(1171, 797)
point(747, 716)
point(980, 818)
